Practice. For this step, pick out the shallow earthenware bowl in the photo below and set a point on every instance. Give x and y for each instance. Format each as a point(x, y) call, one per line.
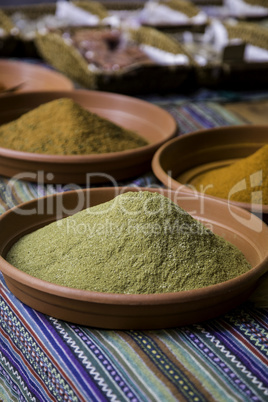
point(182, 159)
point(149, 121)
point(19, 76)
point(121, 311)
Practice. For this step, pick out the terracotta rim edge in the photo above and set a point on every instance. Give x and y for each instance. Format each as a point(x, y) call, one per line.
point(174, 185)
point(50, 158)
point(152, 299)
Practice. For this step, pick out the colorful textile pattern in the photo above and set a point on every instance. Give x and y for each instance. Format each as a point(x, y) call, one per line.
point(45, 359)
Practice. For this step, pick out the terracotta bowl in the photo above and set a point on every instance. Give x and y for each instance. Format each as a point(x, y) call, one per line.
point(120, 311)
point(19, 76)
point(151, 122)
point(182, 159)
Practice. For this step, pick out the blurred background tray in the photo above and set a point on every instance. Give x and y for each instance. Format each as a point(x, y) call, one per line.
point(228, 73)
point(17, 76)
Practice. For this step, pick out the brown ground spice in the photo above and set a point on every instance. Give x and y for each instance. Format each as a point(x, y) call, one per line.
point(62, 127)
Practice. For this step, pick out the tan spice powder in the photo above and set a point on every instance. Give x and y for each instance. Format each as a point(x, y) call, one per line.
point(63, 127)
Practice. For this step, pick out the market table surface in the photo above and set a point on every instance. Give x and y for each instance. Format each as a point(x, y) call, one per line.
point(224, 359)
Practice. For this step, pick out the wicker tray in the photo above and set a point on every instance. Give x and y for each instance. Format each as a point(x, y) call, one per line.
point(244, 76)
point(8, 41)
point(26, 47)
point(229, 74)
point(138, 5)
point(136, 79)
point(232, 76)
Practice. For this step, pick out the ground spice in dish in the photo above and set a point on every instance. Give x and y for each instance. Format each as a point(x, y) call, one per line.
point(62, 127)
point(137, 243)
point(245, 180)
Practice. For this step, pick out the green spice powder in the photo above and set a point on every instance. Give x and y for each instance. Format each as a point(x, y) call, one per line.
point(63, 127)
point(139, 242)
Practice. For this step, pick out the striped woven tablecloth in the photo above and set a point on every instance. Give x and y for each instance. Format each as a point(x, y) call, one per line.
point(45, 359)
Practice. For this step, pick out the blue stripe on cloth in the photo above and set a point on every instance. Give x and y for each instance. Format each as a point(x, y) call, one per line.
point(29, 343)
point(65, 357)
point(98, 367)
point(239, 362)
point(254, 327)
point(225, 367)
point(203, 119)
point(18, 371)
point(246, 352)
point(107, 363)
point(89, 373)
point(100, 339)
point(9, 388)
point(166, 366)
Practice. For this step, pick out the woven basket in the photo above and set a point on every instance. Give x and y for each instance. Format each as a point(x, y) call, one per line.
point(5, 22)
point(185, 7)
point(152, 37)
point(137, 79)
point(208, 2)
point(92, 7)
point(138, 5)
point(122, 5)
point(36, 11)
point(32, 11)
point(27, 47)
point(261, 3)
point(209, 76)
point(9, 40)
point(241, 76)
point(253, 34)
point(64, 58)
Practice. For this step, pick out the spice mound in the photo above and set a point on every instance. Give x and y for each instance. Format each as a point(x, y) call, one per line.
point(62, 127)
point(245, 180)
point(137, 243)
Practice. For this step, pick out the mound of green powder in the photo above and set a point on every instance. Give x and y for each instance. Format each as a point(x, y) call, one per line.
point(139, 242)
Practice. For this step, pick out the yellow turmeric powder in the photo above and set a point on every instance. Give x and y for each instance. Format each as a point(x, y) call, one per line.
point(245, 180)
point(62, 127)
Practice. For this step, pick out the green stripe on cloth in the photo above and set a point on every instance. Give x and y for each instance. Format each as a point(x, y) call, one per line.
point(6, 393)
point(166, 366)
point(190, 358)
point(119, 349)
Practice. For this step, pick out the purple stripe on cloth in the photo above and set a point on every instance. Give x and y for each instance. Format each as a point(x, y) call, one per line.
point(222, 366)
